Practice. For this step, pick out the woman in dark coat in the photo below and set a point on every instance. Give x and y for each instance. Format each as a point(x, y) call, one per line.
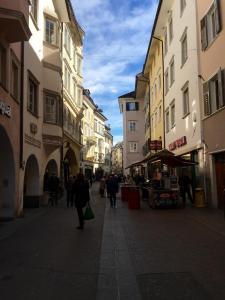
point(82, 196)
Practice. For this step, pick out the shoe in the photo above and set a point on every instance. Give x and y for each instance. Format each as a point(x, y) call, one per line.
point(80, 227)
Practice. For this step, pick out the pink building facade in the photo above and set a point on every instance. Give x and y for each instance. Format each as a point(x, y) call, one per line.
point(211, 29)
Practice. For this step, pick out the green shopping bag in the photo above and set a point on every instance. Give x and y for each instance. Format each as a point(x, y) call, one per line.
point(88, 214)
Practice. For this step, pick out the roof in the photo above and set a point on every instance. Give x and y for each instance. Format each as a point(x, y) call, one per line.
point(128, 95)
point(152, 34)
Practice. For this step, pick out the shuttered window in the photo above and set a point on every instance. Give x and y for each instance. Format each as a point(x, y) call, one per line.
point(213, 94)
point(210, 25)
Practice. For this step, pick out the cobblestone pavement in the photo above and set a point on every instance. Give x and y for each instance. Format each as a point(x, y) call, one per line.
point(137, 254)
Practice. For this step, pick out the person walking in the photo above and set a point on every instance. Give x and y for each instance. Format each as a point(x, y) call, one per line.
point(82, 196)
point(113, 188)
point(69, 192)
point(53, 189)
point(102, 187)
point(185, 184)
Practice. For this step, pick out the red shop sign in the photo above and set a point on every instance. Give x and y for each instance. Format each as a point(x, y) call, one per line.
point(155, 145)
point(178, 143)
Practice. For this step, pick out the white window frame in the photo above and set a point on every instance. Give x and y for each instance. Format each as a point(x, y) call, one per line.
point(172, 114)
point(172, 71)
point(132, 125)
point(133, 147)
point(185, 97)
point(51, 37)
point(184, 47)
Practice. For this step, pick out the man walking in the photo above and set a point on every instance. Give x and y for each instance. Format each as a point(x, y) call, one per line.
point(185, 184)
point(113, 188)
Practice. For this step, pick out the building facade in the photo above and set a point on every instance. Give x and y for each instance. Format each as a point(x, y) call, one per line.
point(14, 24)
point(117, 158)
point(132, 108)
point(89, 141)
point(211, 32)
point(108, 150)
point(181, 82)
point(72, 61)
point(99, 133)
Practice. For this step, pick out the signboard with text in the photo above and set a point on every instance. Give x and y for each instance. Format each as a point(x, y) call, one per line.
point(5, 109)
point(155, 145)
point(178, 143)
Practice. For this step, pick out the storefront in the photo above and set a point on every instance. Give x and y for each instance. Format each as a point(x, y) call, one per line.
point(219, 160)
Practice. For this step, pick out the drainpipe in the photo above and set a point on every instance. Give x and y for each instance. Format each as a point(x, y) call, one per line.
point(163, 98)
point(62, 110)
point(21, 103)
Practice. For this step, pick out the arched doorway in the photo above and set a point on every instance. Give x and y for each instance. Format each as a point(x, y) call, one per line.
point(71, 167)
point(7, 177)
point(52, 167)
point(31, 183)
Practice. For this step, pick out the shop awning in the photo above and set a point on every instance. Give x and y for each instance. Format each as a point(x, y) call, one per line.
point(166, 157)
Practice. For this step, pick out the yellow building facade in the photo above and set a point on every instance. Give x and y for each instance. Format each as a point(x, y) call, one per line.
point(154, 101)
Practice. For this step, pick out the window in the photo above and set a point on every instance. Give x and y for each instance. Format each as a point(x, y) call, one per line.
point(67, 40)
point(171, 29)
point(51, 109)
point(133, 146)
point(166, 81)
point(172, 114)
point(33, 9)
point(213, 93)
point(210, 25)
point(172, 73)
point(32, 94)
point(95, 125)
point(15, 80)
point(132, 125)
point(184, 48)
point(79, 65)
point(74, 92)
point(79, 97)
point(182, 6)
point(160, 82)
point(167, 121)
point(185, 91)
point(160, 112)
point(67, 78)
point(132, 106)
point(3, 63)
point(165, 42)
point(50, 31)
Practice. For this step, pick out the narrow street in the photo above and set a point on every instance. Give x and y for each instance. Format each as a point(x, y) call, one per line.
point(122, 254)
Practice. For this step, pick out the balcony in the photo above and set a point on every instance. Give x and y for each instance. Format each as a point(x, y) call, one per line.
point(52, 135)
point(14, 21)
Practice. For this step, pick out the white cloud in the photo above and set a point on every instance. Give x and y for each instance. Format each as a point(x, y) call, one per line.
point(115, 45)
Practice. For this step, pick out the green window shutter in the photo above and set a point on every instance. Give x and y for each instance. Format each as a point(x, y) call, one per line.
point(204, 36)
point(136, 106)
point(217, 14)
point(206, 99)
point(220, 75)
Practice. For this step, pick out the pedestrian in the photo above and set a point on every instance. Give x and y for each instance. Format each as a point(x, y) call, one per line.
point(185, 185)
point(82, 196)
point(113, 188)
point(53, 189)
point(102, 187)
point(69, 192)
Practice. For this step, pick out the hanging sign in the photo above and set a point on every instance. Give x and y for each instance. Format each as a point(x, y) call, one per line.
point(5, 109)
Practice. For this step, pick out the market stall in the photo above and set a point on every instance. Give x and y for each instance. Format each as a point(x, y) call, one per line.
point(163, 189)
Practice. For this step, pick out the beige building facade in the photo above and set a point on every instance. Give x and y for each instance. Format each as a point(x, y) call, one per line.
point(117, 158)
point(72, 61)
point(132, 107)
point(14, 24)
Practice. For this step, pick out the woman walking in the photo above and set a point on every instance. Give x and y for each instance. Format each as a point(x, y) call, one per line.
point(82, 196)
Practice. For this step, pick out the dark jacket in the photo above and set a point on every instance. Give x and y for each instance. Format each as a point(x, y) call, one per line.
point(184, 182)
point(113, 185)
point(81, 192)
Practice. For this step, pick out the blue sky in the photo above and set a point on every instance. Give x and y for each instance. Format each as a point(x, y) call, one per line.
point(117, 34)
